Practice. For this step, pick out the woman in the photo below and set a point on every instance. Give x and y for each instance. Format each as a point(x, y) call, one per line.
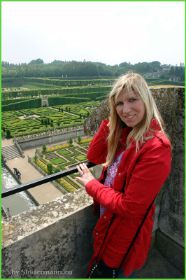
point(136, 154)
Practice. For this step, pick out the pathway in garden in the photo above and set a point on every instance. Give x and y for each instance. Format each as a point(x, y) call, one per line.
point(42, 194)
point(64, 111)
point(7, 142)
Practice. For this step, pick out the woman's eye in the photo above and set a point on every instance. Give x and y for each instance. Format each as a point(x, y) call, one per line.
point(119, 104)
point(132, 99)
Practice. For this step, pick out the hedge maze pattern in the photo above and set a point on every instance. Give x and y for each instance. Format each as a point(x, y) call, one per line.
point(61, 157)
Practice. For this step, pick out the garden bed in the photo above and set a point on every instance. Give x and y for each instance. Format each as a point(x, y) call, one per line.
point(61, 157)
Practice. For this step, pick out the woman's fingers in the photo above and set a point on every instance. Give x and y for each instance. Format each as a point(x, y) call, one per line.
point(82, 168)
point(79, 169)
point(85, 173)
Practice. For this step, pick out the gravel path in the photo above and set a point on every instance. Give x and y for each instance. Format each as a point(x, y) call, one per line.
point(43, 193)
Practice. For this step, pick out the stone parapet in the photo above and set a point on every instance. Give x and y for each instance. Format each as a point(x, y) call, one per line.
point(50, 241)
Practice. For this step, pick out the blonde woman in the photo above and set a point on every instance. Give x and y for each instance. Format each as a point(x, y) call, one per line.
point(136, 153)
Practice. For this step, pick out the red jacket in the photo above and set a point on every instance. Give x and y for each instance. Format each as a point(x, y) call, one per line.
point(142, 175)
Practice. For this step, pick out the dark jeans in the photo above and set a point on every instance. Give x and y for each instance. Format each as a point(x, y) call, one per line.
point(101, 270)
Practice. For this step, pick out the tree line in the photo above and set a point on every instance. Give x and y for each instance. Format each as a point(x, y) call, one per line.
point(87, 69)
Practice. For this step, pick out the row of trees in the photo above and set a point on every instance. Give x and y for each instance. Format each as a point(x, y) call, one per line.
point(71, 69)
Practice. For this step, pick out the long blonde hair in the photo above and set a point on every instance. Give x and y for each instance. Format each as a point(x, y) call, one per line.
point(136, 83)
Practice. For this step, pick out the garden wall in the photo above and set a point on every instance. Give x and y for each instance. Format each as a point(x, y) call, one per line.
point(49, 139)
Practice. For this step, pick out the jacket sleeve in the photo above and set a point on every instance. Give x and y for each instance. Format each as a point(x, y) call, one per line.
point(148, 176)
point(97, 150)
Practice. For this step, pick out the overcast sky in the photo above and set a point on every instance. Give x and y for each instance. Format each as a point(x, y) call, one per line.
point(108, 32)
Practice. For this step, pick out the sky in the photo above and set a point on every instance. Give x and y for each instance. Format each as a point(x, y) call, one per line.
point(108, 32)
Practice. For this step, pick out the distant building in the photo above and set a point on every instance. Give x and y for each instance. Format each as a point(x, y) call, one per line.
point(44, 101)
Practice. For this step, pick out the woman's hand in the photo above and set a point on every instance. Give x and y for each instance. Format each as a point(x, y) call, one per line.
point(86, 175)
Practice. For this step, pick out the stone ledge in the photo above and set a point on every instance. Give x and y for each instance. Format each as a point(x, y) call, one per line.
point(61, 249)
point(42, 216)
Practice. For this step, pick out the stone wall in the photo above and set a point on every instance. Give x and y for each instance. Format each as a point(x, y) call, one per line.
point(49, 139)
point(170, 203)
point(171, 220)
point(51, 241)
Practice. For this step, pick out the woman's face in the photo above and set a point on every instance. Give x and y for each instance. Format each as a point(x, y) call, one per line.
point(130, 108)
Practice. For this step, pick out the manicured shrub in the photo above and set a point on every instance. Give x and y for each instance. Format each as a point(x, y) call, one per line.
point(49, 168)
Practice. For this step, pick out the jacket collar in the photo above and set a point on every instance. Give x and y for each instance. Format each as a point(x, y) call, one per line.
point(153, 128)
point(155, 125)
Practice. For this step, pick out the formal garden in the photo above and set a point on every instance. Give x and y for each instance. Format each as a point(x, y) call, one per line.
point(70, 102)
point(55, 158)
point(37, 120)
